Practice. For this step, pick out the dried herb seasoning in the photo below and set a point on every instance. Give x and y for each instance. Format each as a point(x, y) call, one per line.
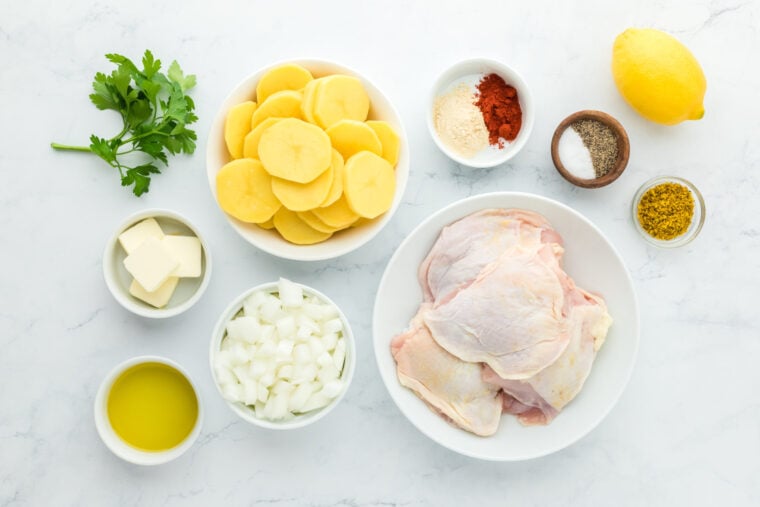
point(665, 211)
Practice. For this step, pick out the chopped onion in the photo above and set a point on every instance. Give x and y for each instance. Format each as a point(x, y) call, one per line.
point(303, 333)
point(271, 311)
point(283, 355)
point(253, 302)
point(286, 327)
point(332, 326)
point(299, 397)
point(330, 340)
point(328, 373)
point(267, 379)
point(283, 387)
point(257, 369)
point(263, 392)
point(245, 329)
point(324, 359)
point(315, 401)
point(291, 294)
point(267, 349)
point(285, 349)
point(224, 375)
point(267, 332)
point(316, 346)
point(339, 355)
point(332, 388)
point(285, 372)
point(304, 321)
point(250, 393)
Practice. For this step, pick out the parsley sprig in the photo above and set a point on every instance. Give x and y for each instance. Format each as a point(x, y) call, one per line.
point(155, 112)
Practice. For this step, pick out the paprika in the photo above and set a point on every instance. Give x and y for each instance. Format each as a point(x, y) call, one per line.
point(500, 106)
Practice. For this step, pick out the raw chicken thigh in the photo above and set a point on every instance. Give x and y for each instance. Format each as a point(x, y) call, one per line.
point(502, 327)
point(539, 399)
point(511, 317)
point(465, 247)
point(450, 386)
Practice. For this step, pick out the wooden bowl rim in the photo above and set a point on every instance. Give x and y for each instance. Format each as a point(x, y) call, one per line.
point(623, 148)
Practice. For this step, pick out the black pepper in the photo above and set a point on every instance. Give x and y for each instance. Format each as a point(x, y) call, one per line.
point(601, 142)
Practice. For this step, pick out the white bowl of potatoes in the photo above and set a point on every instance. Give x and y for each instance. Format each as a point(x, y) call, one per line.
point(307, 159)
point(282, 355)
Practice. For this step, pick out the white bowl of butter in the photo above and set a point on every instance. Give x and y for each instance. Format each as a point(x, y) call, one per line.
point(156, 264)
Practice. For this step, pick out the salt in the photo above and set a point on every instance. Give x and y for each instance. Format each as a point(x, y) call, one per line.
point(575, 156)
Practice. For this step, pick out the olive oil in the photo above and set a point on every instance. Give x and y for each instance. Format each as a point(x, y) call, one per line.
point(152, 407)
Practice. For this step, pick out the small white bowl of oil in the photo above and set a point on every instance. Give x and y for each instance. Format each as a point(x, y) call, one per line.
point(147, 410)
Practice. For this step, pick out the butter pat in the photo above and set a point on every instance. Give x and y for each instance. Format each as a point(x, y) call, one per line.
point(159, 297)
point(151, 264)
point(187, 250)
point(133, 237)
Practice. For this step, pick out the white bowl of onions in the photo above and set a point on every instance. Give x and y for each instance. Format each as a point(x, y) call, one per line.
point(282, 355)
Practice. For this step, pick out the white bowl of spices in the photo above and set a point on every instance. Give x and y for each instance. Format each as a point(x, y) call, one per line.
point(590, 149)
point(481, 113)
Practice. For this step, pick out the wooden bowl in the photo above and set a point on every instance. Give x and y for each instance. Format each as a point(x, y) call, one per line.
point(623, 149)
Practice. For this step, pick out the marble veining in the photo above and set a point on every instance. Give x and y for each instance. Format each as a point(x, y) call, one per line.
point(685, 432)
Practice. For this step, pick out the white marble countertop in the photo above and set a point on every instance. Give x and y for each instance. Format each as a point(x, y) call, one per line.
point(685, 432)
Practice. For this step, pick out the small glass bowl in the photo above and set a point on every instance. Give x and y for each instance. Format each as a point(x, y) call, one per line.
point(697, 220)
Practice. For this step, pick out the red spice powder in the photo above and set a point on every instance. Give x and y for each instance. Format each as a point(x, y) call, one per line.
point(501, 110)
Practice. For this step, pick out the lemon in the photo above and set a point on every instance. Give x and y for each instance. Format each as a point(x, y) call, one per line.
point(658, 76)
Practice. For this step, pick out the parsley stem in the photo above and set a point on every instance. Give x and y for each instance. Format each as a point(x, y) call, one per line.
point(146, 134)
point(57, 146)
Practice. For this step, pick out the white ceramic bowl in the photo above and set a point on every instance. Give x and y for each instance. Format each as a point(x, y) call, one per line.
point(188, 291)
point(114, 443)
point(489, 157)
point(594, 264)
point(247, 413)
point(345, 241)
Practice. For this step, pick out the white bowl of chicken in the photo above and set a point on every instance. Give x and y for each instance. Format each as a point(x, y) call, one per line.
point(513, 318)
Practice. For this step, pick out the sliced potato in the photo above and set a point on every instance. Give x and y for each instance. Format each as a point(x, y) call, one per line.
point(251, 143)
point(294, 150)
point(369, 184)
point(269, 224)
point(315, 223)
point(338, 214)
point(237, 125)
point(285, 77)
point(388, 138)
point(336, 189)
point(244, 190)
point(307, 104)
point(303, 196)
point(360, 222)
point(284, 104)
point(295, 230)
point(350, 137)
point(338, 98)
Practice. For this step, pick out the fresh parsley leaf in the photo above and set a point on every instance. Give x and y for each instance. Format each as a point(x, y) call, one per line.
point(150, 65)
point(103, 98)
point(102, 148)
point(176, 75)
point(139, 177)
point(155, 112)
